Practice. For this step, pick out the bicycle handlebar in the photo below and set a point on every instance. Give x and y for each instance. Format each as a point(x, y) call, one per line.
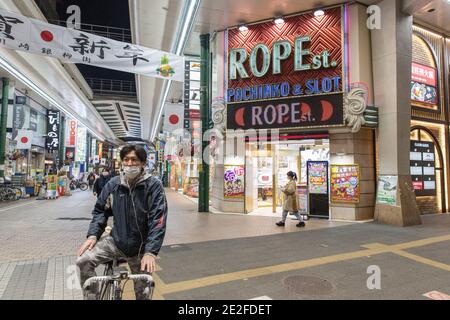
point(144, 277)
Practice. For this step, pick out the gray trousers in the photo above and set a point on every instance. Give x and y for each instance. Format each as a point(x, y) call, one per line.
point(104, 251)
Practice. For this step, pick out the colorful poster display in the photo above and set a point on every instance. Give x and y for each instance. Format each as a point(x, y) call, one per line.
point(344, 183)
point(52, 181)
point(234, 181)
point(302, 199)
point(387, 190)
point(317, 177)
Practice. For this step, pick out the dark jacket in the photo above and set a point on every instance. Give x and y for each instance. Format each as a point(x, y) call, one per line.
point(100, 183)
point(151, 214)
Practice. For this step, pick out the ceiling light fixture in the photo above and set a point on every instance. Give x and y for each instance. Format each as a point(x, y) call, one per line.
point(189, 13)
point(243, 28)
point(279, 21)
point(319, 13)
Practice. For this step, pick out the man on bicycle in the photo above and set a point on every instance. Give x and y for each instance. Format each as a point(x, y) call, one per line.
point(138, 204)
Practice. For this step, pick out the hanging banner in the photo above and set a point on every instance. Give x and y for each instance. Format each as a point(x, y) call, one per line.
point(173, 117)
point(75, 46)
point(24, 139)
point(317, 177)
point(53, 123)
point(71, 134)
point(234, 181)
point(344, 183)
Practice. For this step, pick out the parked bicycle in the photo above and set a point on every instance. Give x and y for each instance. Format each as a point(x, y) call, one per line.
point(10, 192)
point(110, 287)
point(77, 184)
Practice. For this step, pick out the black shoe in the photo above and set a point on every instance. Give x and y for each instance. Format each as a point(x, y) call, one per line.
point(300, 224)
point(280, 224)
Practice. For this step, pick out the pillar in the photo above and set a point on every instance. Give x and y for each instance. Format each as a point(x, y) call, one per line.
point(205, 76)
point(3, 119)
point(392, 58)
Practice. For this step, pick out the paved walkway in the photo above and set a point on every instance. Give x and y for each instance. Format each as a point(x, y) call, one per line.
point(229, 256)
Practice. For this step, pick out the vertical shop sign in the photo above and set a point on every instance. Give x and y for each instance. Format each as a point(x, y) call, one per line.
point(387, 190)
point(53, 123)
point(33, 120)
point(80, 154)
point(344, 183)
point(317, 177)
point(18, 117)
point(234, 181)
point(422, 168)
point(72, 132)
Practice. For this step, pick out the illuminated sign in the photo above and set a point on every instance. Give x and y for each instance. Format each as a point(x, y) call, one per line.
point(289, 75)
point(302, 112)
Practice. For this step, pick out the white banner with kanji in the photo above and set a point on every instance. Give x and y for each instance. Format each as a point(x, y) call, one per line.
point(74, 46)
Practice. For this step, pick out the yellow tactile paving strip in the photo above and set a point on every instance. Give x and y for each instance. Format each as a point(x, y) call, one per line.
point(372, 249)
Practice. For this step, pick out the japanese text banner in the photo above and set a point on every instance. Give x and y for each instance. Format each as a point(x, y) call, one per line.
point(74, 46)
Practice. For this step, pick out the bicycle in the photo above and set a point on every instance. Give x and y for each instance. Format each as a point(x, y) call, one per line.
point(75, 184)
point(110, 283)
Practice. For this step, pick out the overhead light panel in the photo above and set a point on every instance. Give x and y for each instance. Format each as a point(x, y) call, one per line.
point(243, 28)
point(279, 21)
point(319, 13)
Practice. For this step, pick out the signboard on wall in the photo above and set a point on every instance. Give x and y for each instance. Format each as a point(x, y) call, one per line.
point(317, 172)
point(422, 167)
point(234, 181)
point(424, 86)
point(387, 190)
point(344, 183)
point(288, 75)
point(53, 123)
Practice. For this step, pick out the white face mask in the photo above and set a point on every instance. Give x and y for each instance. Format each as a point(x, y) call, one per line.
point(131, 172)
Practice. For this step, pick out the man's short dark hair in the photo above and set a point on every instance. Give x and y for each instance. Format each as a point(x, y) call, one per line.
point(140, 152)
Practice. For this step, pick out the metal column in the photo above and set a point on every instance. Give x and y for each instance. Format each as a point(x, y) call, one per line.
point(205, 70)
point(3, 119)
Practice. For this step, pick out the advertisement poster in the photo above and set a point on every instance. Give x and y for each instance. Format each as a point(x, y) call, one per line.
point(423, 86)
point(317, 177)
point(234, 181)
point(387, 190)
point(344, 183)
point(302, 199)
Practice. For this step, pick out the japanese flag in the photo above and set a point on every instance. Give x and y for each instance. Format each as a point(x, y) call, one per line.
point(44, 35)
point(23, 139)
point(173, 117)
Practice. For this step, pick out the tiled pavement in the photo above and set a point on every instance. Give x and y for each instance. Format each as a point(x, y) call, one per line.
point(40, 238)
